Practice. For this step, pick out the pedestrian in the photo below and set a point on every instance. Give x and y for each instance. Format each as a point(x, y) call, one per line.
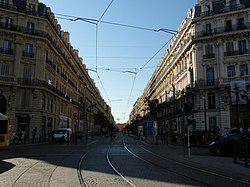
point(20, 134)
point(24, 136)
point(14, 137)
point(164, 137)
point(111, 135)
point(68, 137)
point(34, 135)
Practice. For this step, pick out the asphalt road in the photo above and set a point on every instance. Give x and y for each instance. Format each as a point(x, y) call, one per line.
point(122, 162)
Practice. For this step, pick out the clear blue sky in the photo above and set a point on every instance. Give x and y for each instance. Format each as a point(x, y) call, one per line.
point(120, 50)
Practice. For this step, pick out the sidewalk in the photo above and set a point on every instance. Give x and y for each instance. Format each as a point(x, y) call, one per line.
point(201, 158)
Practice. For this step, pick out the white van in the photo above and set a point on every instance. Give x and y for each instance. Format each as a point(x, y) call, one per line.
point(62, 135)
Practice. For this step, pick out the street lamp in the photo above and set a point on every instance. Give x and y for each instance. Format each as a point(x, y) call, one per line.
point(205, 112)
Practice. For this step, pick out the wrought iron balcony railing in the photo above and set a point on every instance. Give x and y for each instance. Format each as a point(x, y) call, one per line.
point(6, 51)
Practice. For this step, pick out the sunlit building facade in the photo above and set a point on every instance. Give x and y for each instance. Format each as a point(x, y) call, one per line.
point(43, 81)
point(209, 52)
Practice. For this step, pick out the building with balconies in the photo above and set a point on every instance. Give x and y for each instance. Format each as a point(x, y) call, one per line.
point(207, 57)
point(43, 81)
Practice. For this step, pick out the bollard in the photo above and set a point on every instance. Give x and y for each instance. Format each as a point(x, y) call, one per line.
point(246, 154)
point(235, 154)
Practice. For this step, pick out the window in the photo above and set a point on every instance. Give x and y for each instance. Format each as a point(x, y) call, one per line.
point(206, 9)
point(242, 47)
point(8, 23)
point(210, 76)
point(211, 100)
point(209, 51)
point(229, 46)
point(28, 51)
point(6, 49)
point(212, 123)
point(230, 71)
point(30, 27)
point(32, 9)
point(243, 69)
point(241, 24)
point(25, 99)
point(5, 3)
point(228, 26)
point(5, 68)
point(27, 72)
point(232, 3)
point(208, 28)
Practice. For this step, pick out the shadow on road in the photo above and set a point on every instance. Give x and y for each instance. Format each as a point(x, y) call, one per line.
point(5, 166)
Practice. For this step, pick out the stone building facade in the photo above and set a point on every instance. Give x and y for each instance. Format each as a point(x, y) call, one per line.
point(208, 55)
point(44, 82)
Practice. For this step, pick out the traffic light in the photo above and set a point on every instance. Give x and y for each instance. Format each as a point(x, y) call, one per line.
point(188, 107)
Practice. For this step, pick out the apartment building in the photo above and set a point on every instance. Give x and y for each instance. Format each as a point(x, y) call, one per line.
point(44, 83)
point(204, 73)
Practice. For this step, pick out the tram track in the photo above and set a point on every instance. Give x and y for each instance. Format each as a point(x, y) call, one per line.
point(35, 166)
point(115, 169)
point(22, 173)
point(32, 164)
point(83, 180)
point(183, 165)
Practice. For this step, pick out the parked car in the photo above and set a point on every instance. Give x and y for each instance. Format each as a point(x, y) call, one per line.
point(240, 130)
point(62, 135)
point(201, 137)
point(226, 144)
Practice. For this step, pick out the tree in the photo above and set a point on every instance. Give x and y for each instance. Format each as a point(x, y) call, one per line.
point(101, 119)
point(152, 106)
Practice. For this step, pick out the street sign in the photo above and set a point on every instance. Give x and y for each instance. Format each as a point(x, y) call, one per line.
point(150, 129)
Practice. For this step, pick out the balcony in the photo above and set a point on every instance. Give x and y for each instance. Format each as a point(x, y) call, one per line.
point(7, 79)
point(6, 51)
point(228, 28)
point(4, 5)
point(228, 80)
point(241, 26)
point(231, 8)
point(31, 11)
point(208, 32)
point(51, 63)
point(43, 34)
point(236, 52)
point(207, 83)
point(208, 56)
point(220, 30)
point(28, 54)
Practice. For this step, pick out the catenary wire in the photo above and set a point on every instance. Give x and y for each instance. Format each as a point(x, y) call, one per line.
point(94, 21)
point(97, 52)
point(105, 10)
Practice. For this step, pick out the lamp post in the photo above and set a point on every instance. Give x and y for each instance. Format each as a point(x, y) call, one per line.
point(205, 112)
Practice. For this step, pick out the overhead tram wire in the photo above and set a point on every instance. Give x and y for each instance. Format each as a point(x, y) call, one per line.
point(132, 88)
point(154, 55)
point(95, 21)
point(103, 88)
point(97, 52)
point(135, 76)
point(105, 11)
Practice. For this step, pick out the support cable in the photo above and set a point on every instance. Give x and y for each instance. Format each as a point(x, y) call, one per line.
point(95, 21)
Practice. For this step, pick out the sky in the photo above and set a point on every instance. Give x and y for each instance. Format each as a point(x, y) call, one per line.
point(124, 47)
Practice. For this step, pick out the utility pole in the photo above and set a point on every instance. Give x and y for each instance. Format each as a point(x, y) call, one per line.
point(205, 112)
